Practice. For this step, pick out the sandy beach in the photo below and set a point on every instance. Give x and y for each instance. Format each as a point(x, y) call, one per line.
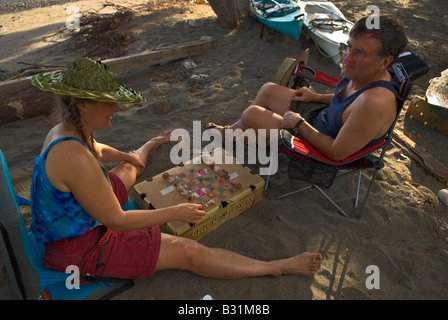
point(404, 228)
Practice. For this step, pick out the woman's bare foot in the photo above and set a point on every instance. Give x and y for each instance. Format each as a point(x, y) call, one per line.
point(142, 153)
point(163, 137)
point(302, 264)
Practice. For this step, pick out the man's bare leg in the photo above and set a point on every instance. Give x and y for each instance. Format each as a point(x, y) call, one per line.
point(266, 110)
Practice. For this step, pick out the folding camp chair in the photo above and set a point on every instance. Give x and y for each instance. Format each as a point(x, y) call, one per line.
point(23, 256)
point(308, 164)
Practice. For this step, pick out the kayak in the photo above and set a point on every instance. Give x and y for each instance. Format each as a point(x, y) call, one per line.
point(284, 16)
point(327, 26)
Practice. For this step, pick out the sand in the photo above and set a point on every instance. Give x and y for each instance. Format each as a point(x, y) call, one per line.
point(403, 230)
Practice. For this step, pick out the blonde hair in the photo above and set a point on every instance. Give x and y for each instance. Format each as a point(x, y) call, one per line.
point(70, 115)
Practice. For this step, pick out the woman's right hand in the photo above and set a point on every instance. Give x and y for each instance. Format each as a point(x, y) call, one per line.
point(188, 212)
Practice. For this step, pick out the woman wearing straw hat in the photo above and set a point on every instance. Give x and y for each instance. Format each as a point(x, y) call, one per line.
point(77, 205)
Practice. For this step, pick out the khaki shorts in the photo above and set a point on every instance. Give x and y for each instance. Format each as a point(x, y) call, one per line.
point(306, 110)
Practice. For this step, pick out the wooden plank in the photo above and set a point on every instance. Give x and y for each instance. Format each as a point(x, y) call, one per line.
point(422, 156)
point(21, 100)
point(430, 115)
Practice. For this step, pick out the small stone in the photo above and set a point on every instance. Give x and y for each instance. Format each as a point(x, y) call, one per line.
point(443, 196)
point(188, 64)
point(162, 107)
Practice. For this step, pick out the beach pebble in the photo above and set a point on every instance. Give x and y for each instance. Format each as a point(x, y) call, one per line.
point(400, 156)
point(412, 204)
point(443, 196)
point(198, 78)
point(206, 38)
point(189, 64)
point(194, 23)
point(162, 107)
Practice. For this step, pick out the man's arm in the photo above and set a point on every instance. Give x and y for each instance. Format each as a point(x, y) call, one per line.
point(305, 94)
point(367, 118)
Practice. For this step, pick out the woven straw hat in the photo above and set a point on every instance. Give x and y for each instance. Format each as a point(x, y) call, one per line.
point(287, 67)
point(87, 79)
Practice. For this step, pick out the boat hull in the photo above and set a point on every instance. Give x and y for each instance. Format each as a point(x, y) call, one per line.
point(286, 18)
point(327, 26)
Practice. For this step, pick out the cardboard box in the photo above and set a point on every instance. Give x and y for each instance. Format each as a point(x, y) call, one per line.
point(225, 190)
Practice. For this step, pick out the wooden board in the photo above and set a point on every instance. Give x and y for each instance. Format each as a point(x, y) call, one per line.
point(430, 115)
point(422, 156)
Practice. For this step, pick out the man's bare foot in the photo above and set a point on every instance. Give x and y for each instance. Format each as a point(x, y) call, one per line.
point(302, 264)
point(220, 129)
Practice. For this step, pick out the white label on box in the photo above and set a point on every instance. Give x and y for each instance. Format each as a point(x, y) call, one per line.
point(167, 190)
point(233, 175)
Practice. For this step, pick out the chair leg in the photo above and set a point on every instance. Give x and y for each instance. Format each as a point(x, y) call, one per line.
point(321, 191)
point(358, 185)
point(271, 164)
point(294, 192)
point(369, 188)
point(266, 183)
point(332, 202)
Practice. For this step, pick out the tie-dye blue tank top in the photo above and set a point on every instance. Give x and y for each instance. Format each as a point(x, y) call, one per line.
point(55, 214)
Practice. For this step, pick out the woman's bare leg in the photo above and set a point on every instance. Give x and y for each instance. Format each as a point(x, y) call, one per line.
point(127, 172)
point(186, 254)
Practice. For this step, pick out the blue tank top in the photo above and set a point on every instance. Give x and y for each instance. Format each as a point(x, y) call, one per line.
point(329, 122)
point(55, 214)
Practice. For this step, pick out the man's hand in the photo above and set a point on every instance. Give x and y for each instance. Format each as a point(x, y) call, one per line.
point(290, 119)
point(304, 94)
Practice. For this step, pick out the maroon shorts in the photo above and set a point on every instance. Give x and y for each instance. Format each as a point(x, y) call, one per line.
point(123, 254)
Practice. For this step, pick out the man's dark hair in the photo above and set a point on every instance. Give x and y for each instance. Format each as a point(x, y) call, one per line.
point(390, 34)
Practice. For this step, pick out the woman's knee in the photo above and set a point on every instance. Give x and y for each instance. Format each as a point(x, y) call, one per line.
point(127, 173)
point(180, 253)
point(193, 252)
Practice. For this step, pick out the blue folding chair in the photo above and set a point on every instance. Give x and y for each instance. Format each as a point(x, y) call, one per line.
point(23, 256)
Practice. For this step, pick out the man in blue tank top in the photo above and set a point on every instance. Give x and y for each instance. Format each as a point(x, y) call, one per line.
point(361, 110)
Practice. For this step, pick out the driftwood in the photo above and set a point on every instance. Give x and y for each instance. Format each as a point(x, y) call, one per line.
point(159, 55)
point(421, 156)
point(21, 100)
